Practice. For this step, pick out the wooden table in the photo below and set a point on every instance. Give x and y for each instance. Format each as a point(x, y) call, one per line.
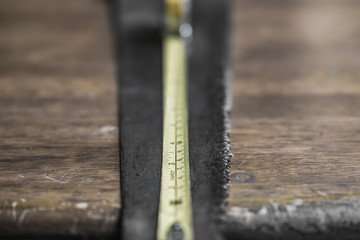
point(59, 148)
point(295, 135)
point(296, 118)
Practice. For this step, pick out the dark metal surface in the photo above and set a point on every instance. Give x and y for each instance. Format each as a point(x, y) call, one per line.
point(141, 115)
point(140, 103)
point(209, 113)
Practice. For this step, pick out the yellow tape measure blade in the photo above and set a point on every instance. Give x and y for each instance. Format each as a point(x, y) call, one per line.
point(175, 213)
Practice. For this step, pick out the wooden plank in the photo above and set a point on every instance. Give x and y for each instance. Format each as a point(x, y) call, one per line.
point(59, 148)
point(296, 128)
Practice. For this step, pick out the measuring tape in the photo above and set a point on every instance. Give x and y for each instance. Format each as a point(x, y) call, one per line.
point(175, 208)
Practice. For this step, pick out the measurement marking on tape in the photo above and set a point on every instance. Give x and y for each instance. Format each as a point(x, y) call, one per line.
point(175, 211)
point(175, 208)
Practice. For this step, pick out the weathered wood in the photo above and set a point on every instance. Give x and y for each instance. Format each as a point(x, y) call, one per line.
point(58, 139)
point(296, 112)
point(296, 121)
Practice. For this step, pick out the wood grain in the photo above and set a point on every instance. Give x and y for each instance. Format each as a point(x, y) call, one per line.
point(59, 148)
point(296, 109)
point(296, 125)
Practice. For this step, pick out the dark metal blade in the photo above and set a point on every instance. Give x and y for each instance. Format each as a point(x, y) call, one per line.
point(209, 115)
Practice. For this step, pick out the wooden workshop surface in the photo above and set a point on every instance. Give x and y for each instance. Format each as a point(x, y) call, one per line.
point(296, 110)
point(59, 149)
point(296, 102)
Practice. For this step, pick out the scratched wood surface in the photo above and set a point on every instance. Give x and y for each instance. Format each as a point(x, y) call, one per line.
point(296, 109)
point(58, 145)
point(296, 115)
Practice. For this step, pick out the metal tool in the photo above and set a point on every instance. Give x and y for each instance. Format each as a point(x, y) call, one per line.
point(174, 102)
point(175, 208)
